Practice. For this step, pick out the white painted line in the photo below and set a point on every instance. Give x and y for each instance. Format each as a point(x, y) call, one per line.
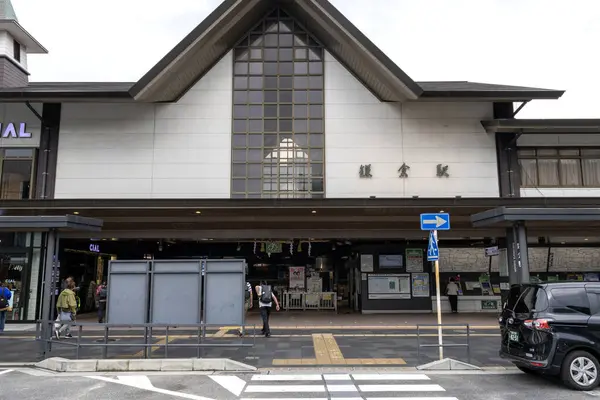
point(411, 398)
point(337, 377)
point(390, 377)
point(151, 389)
point(290, 378)
point(342, 388)
point(284, 388)
point(6, 371)
point(139, 381)
point(289, 398)
point(232, 383)
point(401, 388)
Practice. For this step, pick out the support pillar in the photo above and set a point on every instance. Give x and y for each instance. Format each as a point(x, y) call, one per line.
point(49, 295)
point(518, 260)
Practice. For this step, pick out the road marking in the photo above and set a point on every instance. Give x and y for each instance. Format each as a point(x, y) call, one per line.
point(337, 377)
point(284, 388)
point(401, 388)
point(232, 383)
point(142, 384)
point(390, 377)
point(410, 398)
point(290, 398)
point(6, 371)
point(287, 377)
point(341, 388)
point(140, 381)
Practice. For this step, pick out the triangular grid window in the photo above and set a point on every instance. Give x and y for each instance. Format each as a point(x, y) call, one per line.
point(278, 112)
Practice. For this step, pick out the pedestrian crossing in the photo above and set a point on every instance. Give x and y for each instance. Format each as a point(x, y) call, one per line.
point(337, 387)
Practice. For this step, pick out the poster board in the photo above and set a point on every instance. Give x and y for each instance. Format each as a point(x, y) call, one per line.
point(297, 278)
point(414, 260)
point(420, 285)
point(389, 286)
point(366, 262)
point(391, 261)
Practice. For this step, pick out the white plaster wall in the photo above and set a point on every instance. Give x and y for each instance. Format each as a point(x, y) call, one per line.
point(6, 48)
point(180, 150)
point(558, 140)
point(361, 130)
point(17, 113)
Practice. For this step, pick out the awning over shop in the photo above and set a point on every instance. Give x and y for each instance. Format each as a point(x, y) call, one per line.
point(542, 126)
point(61, 223)
point(556, 217)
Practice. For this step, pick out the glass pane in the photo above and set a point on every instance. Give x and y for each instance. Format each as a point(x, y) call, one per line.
point(271, 68)
point(240, 82)
point(528, 172)
point(254, 185)
point(241, 54)
point(285, 111)
point(256, 54)
point(254, 170)
point(570, 172)
point(256, 125)
point(300, 126)
point(316, 169)
point(270, 111)
point(316, 154)
point(240, 112)
point(315, 96)
point(569, 152)
point(285, 125)
point(546, 152)
point(270, 96)
point(315, 68)
point(271, 83)
point(239, 185)
point(254, 141)
point(255, 96)
point(270, 140)
point(300, 82)
point(300, 111)
point(256, 111)
point(286, 54)
point(285, 82)
point(590, 153)
point(239, 125)
point(286, 68)
point(300, 68)
point(300, 39)
point(315, 82)
point(316, 111)
point(316, 140)
point(255, 155)
point(316, 126)
point(285, 96)
point(239, 140)
point(255, 82)
point(286, 26)
point(286, 40)
point(301, 139)
point(240, 68)
point(256, 68)
point(19, 153)
point(591, 172)
point(271, 40)
point(270, 125)
point(16, 179)
point(239, 155)
point(13, 272)
point(548, 172)
point(240, 97)
point(300, 96)
point(315, 54)
point(238, 170)
point(256, 40)
point(317, 185)
point(526, 153)
point(271, 55)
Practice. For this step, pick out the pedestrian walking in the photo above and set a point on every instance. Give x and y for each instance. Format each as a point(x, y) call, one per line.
point(66, 305)
point(266, 297)
point(102, 295)
point(452, 293)
point(248, 300)
point(5, 296)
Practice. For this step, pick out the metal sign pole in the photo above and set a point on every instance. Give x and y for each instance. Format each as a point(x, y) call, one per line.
point(438, 301)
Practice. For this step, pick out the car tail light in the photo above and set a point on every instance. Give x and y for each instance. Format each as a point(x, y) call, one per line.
point(537, 364)
point(538, 324)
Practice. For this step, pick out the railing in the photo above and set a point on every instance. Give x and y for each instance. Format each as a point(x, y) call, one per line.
point(443, 345)
point(309, 301)
point(149, 334)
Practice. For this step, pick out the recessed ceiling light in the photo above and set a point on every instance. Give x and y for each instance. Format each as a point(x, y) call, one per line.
point(586, 239)
point(314, 211)
point(198, 212)
point(76, 212)
point(562, 242)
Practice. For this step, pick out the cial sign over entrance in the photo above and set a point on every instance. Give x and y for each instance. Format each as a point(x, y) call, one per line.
point(10, 131)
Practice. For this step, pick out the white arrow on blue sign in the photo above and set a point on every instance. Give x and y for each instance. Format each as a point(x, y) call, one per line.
point(433, 251)
point(435, 222)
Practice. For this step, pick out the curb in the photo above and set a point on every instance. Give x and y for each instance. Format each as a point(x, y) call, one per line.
point(59, 364)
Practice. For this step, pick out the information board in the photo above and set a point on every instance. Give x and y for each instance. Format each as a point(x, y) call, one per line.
point(414, 260)
point(391, 261)
point(389, 286)
point(420, 285)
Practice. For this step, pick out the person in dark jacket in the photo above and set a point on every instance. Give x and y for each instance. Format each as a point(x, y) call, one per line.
point(101, 295)
point(5, 296)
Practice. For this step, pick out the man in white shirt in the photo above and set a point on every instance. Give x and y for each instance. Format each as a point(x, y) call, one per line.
point(452, 292)
point(265, 302)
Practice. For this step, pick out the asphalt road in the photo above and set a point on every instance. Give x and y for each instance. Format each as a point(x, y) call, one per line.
point(348, 384)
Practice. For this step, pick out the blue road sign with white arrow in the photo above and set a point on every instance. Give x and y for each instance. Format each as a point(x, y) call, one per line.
point(433, 251)
point(435, 222)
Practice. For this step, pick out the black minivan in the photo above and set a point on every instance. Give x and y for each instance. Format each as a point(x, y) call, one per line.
point(554, 329)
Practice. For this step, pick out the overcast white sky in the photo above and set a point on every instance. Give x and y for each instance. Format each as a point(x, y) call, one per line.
point(541, 43)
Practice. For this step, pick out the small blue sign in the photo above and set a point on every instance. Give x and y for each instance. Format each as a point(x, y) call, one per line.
point(435, 222)
point(433, 251)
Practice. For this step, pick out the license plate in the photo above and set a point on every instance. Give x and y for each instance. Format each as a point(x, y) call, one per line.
point(513, 336)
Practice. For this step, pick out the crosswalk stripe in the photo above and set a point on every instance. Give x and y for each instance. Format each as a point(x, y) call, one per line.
point(289, 398)
point(405, 398)
point(390, 377)
point(342, 388)
point(284, 388)
point(401, 388)
point(289, 378)
point(337, 377)
point(6, 371)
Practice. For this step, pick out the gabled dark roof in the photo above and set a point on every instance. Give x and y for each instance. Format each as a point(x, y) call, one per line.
point(224, 27)
point(55, 91)
point(466, 89)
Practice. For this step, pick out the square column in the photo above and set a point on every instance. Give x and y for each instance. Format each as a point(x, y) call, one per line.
point(518, 260)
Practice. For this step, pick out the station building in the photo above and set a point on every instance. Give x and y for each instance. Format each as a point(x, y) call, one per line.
point(278, 133)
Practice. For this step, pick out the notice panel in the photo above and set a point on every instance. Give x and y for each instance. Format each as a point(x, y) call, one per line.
point(389, 286)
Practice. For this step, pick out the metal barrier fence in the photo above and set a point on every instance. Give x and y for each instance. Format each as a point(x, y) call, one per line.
point(309, 301)
point(443, 345)
point(199, 334)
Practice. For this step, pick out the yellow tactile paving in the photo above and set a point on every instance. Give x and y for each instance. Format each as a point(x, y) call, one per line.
point(321, 353)
point(335, 354)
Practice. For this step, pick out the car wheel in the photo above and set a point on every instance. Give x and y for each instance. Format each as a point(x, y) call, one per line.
point(580, 370)
point(527, 370)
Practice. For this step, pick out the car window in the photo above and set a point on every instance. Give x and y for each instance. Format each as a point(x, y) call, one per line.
point(532, 299)
point(570, 300)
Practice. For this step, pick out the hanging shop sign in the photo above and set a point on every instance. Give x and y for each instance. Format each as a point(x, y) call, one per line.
point(12, 130)
point(94, 248)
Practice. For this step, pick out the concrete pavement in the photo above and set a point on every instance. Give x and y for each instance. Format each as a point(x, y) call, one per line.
point(314, 384)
